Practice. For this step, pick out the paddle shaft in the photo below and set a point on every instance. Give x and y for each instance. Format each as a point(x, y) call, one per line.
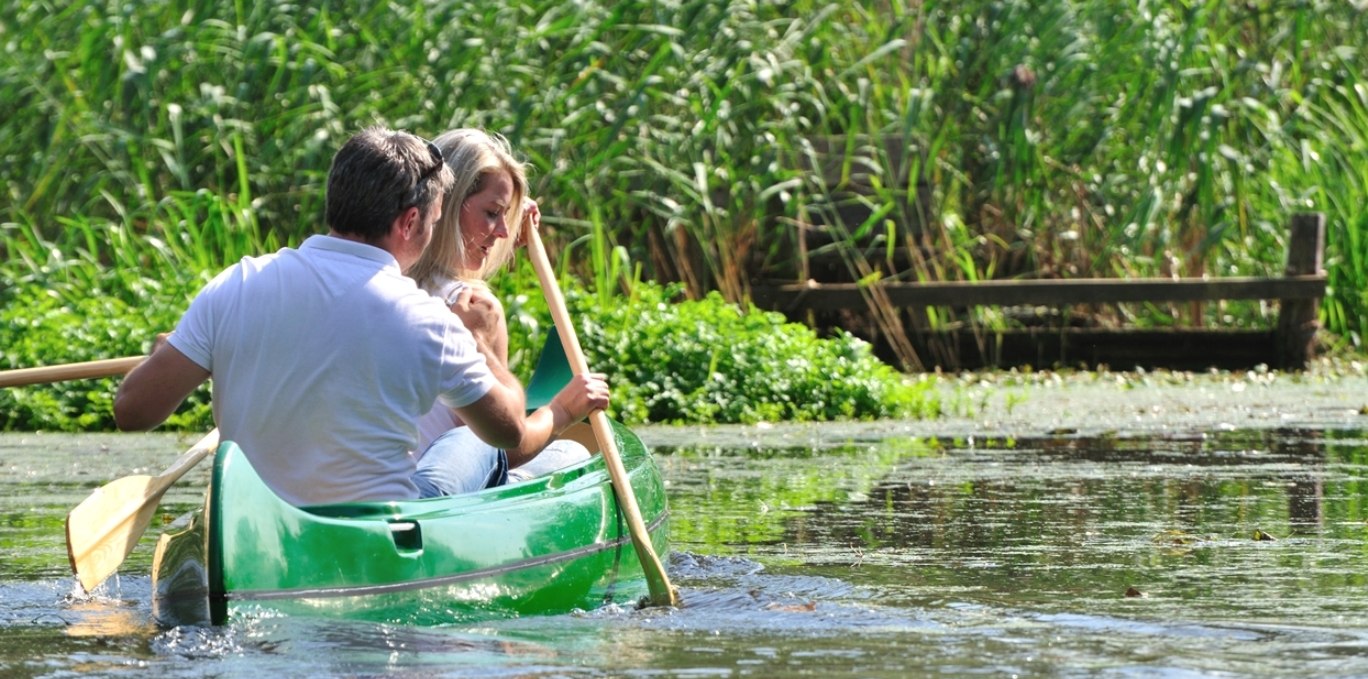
point(70, 371)
point(661, 592)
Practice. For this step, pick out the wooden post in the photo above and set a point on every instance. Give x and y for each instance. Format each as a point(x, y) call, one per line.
point(1299, 319)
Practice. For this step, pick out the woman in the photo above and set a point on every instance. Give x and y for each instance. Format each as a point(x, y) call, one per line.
point(469, 243)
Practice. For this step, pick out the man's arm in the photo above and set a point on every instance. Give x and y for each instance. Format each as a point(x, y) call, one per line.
point(497, 417)
point(154, 389)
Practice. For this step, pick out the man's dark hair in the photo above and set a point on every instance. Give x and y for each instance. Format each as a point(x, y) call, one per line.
point(377, 175)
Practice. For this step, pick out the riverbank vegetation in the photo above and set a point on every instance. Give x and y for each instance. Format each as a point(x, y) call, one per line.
point(670, 360)
point(699, 143)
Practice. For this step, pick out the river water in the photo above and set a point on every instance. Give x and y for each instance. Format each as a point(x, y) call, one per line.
point(1100, 526)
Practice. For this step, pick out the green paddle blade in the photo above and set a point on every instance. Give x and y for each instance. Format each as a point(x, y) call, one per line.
point(552, 373)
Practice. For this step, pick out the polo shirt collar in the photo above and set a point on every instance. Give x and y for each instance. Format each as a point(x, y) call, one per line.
point(350, 247)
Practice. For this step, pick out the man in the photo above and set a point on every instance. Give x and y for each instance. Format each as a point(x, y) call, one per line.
point(323, 357)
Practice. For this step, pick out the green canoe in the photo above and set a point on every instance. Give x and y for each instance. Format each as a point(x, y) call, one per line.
point(548, 545)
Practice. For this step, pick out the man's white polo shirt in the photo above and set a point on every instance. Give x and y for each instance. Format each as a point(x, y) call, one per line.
point(323, 358)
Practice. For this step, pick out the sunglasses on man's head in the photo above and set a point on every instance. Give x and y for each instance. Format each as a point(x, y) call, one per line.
point(436, 156)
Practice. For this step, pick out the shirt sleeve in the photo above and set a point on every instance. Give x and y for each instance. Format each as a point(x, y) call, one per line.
point(194, 333)
point(468, 375)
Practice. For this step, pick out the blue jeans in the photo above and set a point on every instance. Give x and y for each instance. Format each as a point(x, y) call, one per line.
point(556, 455)
point(459, 462)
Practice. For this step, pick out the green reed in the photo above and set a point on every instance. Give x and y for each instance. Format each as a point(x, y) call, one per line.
point(718, 144)
point(1063, 139)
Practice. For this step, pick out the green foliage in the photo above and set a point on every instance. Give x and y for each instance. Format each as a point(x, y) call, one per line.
point(992, 137)
point(38, 328)
point(668, 361)
point(672, 360)
point(104, 289)
point(707, 361)
point(144, 145)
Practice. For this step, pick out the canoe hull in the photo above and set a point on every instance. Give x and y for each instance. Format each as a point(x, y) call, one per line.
point(549, 545)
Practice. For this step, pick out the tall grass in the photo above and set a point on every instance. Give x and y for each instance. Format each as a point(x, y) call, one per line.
point(1059, 138)
point(683, 140)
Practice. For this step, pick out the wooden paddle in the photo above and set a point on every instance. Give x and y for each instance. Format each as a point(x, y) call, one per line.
point(71, 371)
point(104, 528)
point(661, 592)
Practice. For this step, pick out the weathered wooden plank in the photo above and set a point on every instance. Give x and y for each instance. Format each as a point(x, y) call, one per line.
point(836, 296)
point(1299, 319)
point(1092, 348)
point(1290, 345)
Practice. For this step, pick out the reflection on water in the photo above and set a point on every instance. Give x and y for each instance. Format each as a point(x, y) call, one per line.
point(105, 617)
point(1227, 552)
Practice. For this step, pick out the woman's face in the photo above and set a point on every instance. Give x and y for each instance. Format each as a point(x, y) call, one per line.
point(483, 220)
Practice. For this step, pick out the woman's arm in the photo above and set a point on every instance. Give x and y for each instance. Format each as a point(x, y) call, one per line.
point(583, 395)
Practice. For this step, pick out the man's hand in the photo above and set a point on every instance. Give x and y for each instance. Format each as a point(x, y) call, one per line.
point(483, 315)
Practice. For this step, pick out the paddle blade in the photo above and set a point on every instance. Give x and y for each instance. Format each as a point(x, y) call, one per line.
point(103, 529)
point(551, 374)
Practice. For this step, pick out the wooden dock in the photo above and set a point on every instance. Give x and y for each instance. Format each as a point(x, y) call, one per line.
point(1289, 345)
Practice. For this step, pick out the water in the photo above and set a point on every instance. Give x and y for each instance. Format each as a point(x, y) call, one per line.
point(1215, 529)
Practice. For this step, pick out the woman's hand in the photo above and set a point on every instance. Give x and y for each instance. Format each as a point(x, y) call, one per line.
point(584, 394)
point(531, 219)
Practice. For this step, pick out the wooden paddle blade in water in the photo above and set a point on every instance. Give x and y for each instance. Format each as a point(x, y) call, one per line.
point(105, 527)
point(97, 541)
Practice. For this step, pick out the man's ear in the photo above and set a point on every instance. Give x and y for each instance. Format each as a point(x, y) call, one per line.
point(407, 223)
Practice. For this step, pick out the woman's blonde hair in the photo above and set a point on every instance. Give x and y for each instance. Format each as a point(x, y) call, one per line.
point(472, 155)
